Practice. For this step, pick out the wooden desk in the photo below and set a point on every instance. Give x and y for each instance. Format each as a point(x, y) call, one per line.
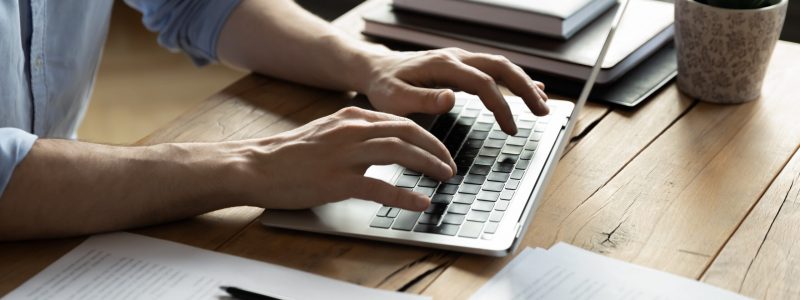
point(701, 190)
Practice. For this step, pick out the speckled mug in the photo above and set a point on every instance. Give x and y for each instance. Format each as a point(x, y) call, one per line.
point(723, 53)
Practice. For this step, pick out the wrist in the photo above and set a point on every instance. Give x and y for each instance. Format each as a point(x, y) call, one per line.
point(200, 172)
point(364, 64)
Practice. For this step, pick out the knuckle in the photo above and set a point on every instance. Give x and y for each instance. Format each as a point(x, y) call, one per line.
point(350, 111)
point(486, 80)
point(441, 57)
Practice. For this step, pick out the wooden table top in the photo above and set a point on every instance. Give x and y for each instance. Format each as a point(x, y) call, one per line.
point(701, 190)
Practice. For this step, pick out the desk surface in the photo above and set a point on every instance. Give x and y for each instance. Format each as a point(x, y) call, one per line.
point(701, 190)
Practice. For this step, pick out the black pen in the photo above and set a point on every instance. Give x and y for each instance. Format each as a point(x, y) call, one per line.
point(245, 295)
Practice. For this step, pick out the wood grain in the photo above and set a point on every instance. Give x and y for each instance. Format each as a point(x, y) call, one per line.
point(761, 259)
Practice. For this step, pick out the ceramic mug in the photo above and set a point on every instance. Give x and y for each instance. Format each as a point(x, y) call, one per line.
point(723, 53)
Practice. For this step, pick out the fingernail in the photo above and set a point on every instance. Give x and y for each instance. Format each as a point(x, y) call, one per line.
point(442, 99)
point(422, 202)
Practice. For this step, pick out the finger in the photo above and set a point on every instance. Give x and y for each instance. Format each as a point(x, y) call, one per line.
point(353, 112)
point(379, 191)
point(389, 150)
point(411, 133)
point(513, 77)
point(468, 78)
point(408, 99)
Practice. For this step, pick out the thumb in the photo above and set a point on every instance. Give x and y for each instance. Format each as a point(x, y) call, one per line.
point(412, 99)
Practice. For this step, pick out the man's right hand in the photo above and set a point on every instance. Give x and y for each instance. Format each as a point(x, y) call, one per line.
point(325, 161)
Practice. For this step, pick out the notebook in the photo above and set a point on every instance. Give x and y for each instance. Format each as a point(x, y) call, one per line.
point(642, 32)
point(559, 19)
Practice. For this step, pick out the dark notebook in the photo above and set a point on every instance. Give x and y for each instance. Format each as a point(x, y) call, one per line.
point(629, 90)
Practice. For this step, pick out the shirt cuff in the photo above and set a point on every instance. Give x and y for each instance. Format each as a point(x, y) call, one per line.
point(189, 25)
point(14, 146)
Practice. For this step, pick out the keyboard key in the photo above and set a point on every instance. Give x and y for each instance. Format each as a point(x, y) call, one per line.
point(486, 118)
point(501, 205)
point(526, 154)
point(381, 222)
point(503, 167)
point(527, 117)
point(447, 229)
point(505, 194)
point(488, 196)
point(540, 128)
point(461, 209)
point(429, 228)
point(427, 218)
point(442, 198)
point(482, 126)
point(473, 144)
point(471, 229)
point(493, 186)
point(436, 208)
point(449, 189)
point(511, 149)
point(463, 198)
point(478, 216)
point(512, 184)
point(407, 181)
point(479, 135)
point(531, 145)
point(427, 191)
point(428, 182)
point(517, 174)
point(393, 212)
point(491, 227)
point(483, 205)
point(455, 179)
point(467, 188)
point(406, 220)
point(498, 135)
point(516, 141)
point(507, 158)
point(484, 160)
point(525, 124)
point(471, 113)
point(493, 152)
point(475, 179)
point(479, 170)
point(523, 133)
point(493, 143)
point(453, 219)
point(522, 164)
point(411, 172)
point(469, 152)
point(498, 176)
point(536, 136)
point(383, 211)
point(496, 216)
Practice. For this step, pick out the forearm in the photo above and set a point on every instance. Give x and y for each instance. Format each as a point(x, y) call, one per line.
point(280, 39)
point(66, 188)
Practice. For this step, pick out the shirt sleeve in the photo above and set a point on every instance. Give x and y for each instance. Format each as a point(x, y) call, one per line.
point(14, 146)
point(189, 25)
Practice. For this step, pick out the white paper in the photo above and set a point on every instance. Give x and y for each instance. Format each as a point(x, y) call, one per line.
point(129, 266)
point(568, 272)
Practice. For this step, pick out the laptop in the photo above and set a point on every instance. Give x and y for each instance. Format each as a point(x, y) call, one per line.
point(487, 207)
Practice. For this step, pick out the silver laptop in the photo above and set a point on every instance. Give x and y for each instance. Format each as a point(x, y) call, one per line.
point(487, 207)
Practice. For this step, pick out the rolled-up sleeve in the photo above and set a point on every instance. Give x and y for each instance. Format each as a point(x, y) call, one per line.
point(14, 146)
point(189, 25)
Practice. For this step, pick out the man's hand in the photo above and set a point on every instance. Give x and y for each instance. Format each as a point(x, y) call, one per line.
point(280, 39)
point(409, 82)
point(325, 160)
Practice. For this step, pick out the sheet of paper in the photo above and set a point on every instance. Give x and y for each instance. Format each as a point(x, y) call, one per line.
point(129, 266)
point(568, 272)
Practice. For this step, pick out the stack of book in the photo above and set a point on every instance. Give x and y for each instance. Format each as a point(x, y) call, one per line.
point(555, 40)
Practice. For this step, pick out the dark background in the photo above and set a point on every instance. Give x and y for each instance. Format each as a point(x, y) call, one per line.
point(330, 9)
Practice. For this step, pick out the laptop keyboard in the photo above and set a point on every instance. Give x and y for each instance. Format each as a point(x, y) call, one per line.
point(490, 166)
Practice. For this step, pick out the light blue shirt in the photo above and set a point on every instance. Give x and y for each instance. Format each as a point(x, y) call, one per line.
point(49, 53)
